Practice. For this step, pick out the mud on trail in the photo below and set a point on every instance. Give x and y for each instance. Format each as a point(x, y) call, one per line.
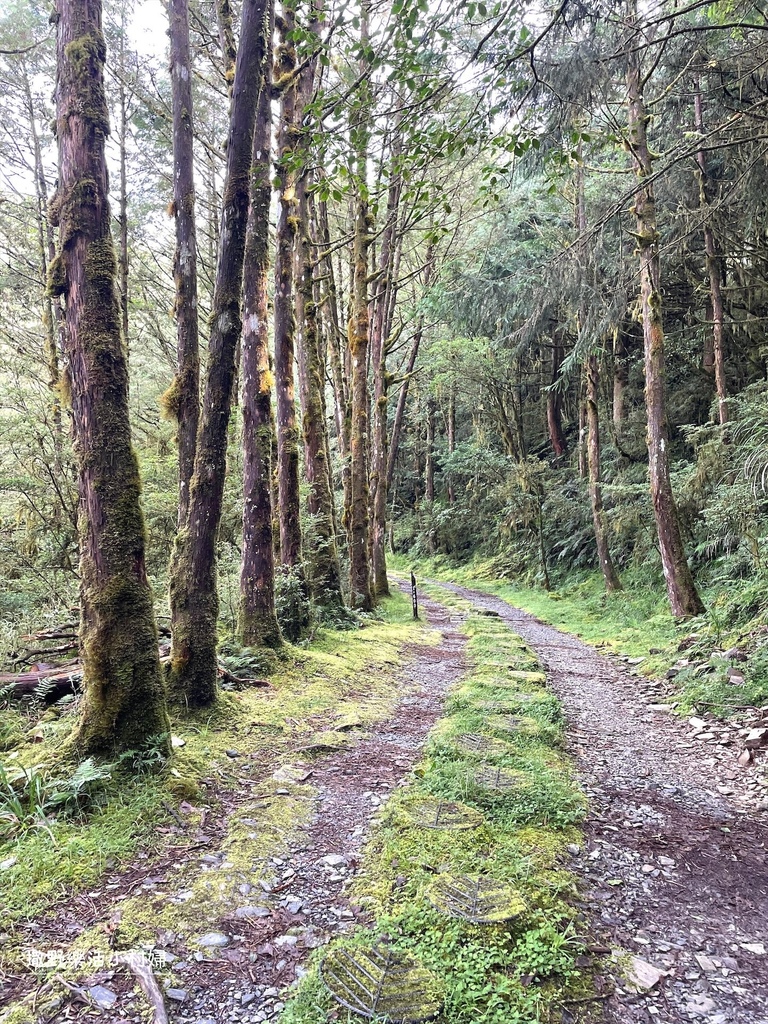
point(295, 903)
point(674, 871)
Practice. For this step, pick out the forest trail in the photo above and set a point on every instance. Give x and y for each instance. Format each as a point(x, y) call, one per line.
point(674, 870)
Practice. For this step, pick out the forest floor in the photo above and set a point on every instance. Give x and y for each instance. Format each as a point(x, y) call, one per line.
point(668, 915)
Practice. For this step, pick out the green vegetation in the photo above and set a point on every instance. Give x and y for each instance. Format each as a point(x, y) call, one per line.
point(65, 824)
point(521, 969)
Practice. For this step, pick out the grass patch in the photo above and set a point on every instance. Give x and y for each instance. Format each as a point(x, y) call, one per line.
point(519, 970)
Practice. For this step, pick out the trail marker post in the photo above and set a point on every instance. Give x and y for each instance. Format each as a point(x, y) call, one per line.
point(414, 597)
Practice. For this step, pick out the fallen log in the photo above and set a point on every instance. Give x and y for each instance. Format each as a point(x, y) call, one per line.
point(55, 682)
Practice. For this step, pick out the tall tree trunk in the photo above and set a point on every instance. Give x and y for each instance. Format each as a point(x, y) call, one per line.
point(359, 327)
point(124, 699)
point(322, 554)
point(386, 286)
point(582, 428)
point(123, 218)
point(51, 312)
point(257, 620)
point(599, 522)
point(612, 581)
point(429, 467)
point(619, 380)
point(451, 438)
point(681, 589)
point(402, 398)
point(289, 505)
point(193, 582)
point(342, 406)
point(555, 402)
point(713, 267)
point(183, 398)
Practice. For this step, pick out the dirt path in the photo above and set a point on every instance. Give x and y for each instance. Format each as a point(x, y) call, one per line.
point(674, 871)
point(259, 947)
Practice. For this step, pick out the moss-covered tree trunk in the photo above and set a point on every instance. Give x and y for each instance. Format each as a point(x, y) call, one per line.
point(681, 589)
point(320, 546)
point(193, 578)
point(358, 334)
point(183, 399)
point(257, 620)
point(289, 502)
point(124, 698)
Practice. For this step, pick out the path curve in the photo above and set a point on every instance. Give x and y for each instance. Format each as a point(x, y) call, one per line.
point(674, 871)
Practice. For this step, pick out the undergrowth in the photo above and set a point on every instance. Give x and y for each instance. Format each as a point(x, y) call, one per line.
point(62, 826)
point(526, 968)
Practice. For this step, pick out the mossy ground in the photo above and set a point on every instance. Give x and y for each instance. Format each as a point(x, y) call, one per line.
point(345, 674)
point(637, 622)
point(519, 971)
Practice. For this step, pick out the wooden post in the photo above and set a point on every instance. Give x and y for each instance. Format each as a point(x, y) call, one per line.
point(414, 597)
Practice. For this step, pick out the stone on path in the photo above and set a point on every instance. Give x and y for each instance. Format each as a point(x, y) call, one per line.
point(641, 975)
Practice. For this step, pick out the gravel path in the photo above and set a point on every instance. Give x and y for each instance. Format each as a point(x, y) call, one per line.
point(674, 870)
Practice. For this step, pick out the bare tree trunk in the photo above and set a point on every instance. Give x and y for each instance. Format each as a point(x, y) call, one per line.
point(226, 40)
point(429, 467)
point(582, 429)
point(713, 268)
point(451, 439)
point(183, 399)
point(555, 403)
point(619, 380)
point(193, 581)
point(681, 589)
point(257, 619)
point(124, 699)
point(359, 326)
point(51, 312)
point(383, 305)
point(612, 581)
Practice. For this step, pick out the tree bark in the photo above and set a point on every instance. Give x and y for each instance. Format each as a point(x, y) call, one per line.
point(386, 286)
point(124, 699)
point(257, 619)
point(358, 333)
point(193, 582)
point(619, 380)
point(402, 398)
point(451, 439)
point(123, 218)
point(321, 553)
point(183, 398)
point(555, 403)
point(714, 270)
point(429, 465)
point(681, 589)
point(612, 581)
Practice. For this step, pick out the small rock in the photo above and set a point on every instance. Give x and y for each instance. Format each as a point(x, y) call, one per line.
point(642, 976)
point(707, 965)
point(178, 995)
point(213, 940)
point(104, 998)
point(5, 865)
point(700, 1006)
point(333, 860)
point(758, 948)
point(745, 758)
point(251, 913)
point(756, 738)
